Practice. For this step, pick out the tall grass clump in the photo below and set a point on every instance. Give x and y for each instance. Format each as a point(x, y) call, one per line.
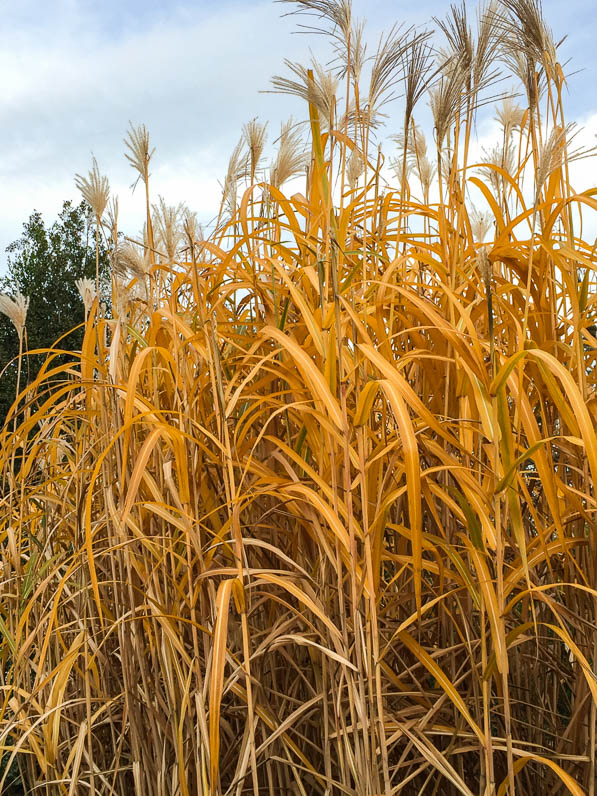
point(314, 511)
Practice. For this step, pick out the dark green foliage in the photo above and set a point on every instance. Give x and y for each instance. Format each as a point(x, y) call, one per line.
point(44, 264)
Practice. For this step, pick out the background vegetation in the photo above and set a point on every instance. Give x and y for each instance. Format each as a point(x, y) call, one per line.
point(44, 264)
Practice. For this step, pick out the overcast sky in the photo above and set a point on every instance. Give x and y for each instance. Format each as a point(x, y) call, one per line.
point(74, 72)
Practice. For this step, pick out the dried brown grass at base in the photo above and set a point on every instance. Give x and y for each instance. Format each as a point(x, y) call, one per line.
point(317, 516)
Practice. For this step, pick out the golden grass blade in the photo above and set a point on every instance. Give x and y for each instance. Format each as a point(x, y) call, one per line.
point(413, 479)
point(442, 679)
point(217, 679)
point(311, 374)
point(573, 787)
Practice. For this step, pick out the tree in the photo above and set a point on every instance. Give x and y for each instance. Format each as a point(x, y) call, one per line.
point(44, 264)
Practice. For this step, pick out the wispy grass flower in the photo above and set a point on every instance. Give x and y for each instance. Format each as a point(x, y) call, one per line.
point(336, 13)
point(237, 170)
point(16, 310)
point(355, 168)
point(255, 137)
point(87, 292)
point(129, 262)
point(111, 222)
point(192, 231)
point(320, 90)
point(166, 222)
point(139, 156)
point(509, 115)
point(95, 189)
point(139, 152)
point(291, 158)
point(481, 224)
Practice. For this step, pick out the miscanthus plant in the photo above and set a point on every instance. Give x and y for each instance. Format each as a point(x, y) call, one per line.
point(314, 512)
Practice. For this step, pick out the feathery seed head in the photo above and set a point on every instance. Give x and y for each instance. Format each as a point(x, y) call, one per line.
point(484, 265)
point(528, 44)
point(510, 115)
point(237, 170)
point(254, 134)
point(111, 222)
point(95, 189)
point(387, 66)
point(534, 37)
point(447, 96)
point(354, 117)
point(397, 169)
point(417, 64)
point(355, 168)
point(337, 13)
point(86, 288)
point(113, 213)
point(426, 170)
point(137, 142)
point(416, 144)
point(458, 34)
point(166, 223)
point(500, 156)
point(192, 230)
point(129, 262)
point(15, 309)
point(489, 39)
point(417, 161)
point(346, 35)
point(354, 57)
point(480, 224)
point(291, 159)
point(554, 149)
point(319, 90)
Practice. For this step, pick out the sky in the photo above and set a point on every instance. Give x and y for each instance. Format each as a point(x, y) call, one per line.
point(76, 72)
